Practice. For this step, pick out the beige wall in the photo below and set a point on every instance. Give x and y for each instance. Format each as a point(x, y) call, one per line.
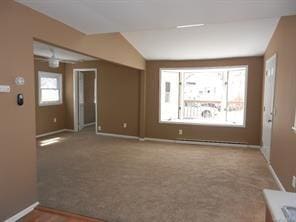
point(89, 97)
point(283, 149)
point(116, 83)
point(120, 99)
point(251, 134)
point(17, 129)
point(45, 114)
point(19, 25)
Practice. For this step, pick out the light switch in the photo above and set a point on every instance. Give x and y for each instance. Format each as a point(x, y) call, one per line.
point(4, 89)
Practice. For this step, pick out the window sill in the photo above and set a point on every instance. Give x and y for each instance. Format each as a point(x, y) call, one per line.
point(202, 124)
point(51, 104)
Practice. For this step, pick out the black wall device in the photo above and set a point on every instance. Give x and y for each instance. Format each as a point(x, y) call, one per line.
point(20, 99)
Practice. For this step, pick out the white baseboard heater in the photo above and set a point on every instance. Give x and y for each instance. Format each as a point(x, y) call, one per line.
point(212, 141)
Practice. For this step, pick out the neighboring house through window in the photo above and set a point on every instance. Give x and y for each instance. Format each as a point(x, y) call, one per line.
point(210, 96)
point(167, 92)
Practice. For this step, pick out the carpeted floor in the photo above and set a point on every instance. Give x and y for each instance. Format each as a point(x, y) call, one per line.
point(121, 180)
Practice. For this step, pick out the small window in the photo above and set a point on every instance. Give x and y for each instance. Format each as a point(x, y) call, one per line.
point(50, 88)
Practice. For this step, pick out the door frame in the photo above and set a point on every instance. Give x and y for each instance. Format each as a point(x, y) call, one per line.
point(274, 56)
point(75, 97)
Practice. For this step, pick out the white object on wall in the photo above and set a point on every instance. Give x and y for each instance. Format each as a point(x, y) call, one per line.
point(19, 81)
point(269, 110)
point(4, 89)
point(294, 127)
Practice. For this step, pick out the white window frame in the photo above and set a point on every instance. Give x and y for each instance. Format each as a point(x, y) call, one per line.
point(59, 77)
point(182, 69)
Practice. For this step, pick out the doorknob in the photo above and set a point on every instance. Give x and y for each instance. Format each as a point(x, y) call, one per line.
point(269, 121)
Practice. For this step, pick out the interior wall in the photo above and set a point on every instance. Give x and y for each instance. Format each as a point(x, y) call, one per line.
point(19, 26)
point(89, 97)
point(251, 134)
point(45, 115)
point(283, 146)
point(17, 129)
point(120, 99)
point(115, 84)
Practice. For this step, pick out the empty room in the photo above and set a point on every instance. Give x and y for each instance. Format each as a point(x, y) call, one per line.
point(140, 111)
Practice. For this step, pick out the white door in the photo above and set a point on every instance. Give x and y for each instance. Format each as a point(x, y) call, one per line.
point(80, 100)
point(269, 111)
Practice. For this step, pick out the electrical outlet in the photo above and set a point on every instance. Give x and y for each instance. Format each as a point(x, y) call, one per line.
point(99, 128)
point(294, 182)
point(180, 132)
point(55, 120)
point(124, 125)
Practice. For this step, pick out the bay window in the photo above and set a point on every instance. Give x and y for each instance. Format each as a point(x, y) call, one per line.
point(210, 96)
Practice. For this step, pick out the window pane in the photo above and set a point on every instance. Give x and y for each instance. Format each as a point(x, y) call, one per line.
point(50, 95)
point(48, 83)
point(169, 96)
point(236, 96)
point(204, 96)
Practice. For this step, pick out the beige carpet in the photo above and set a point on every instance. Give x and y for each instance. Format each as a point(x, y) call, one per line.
point(122, 180)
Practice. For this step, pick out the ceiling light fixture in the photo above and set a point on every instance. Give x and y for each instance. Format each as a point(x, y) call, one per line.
point(189, 26)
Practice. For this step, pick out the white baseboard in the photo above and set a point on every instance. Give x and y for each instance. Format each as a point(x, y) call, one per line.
point(50, 133)
point(117, 135)
point(275, 177)
point(202, 143)
point(89, 124)
point(264, 156)
point(179, 141)
point(69, 130)
point(22, 213)
point(159, 140)
point(55, 132)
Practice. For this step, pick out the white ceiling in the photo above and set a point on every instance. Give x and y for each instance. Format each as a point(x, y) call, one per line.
point(233, 27)
point(207, 42)
point(97, 16)
point(45, 50)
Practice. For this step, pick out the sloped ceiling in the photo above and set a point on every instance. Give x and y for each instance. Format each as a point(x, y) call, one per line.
point(232, 27)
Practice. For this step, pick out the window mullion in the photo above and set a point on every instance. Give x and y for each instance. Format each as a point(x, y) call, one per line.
point(180, 98)
point(226, 96)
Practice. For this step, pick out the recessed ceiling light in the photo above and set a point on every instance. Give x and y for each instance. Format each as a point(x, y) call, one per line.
point(189, 26)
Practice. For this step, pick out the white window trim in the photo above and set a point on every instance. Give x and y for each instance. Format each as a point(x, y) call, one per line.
point(60, 82)
point(204, 124)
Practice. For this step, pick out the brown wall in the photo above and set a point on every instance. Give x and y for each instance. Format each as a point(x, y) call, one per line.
point(17, 129)
point(116, 83)
point(19, 25)
point(251, 134)
point(283, 148)
point(120, 99)
point(89, 97)
point(45, 114)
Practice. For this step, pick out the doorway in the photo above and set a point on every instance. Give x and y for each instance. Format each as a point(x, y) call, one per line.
point(85, 98)
point(268, 109)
